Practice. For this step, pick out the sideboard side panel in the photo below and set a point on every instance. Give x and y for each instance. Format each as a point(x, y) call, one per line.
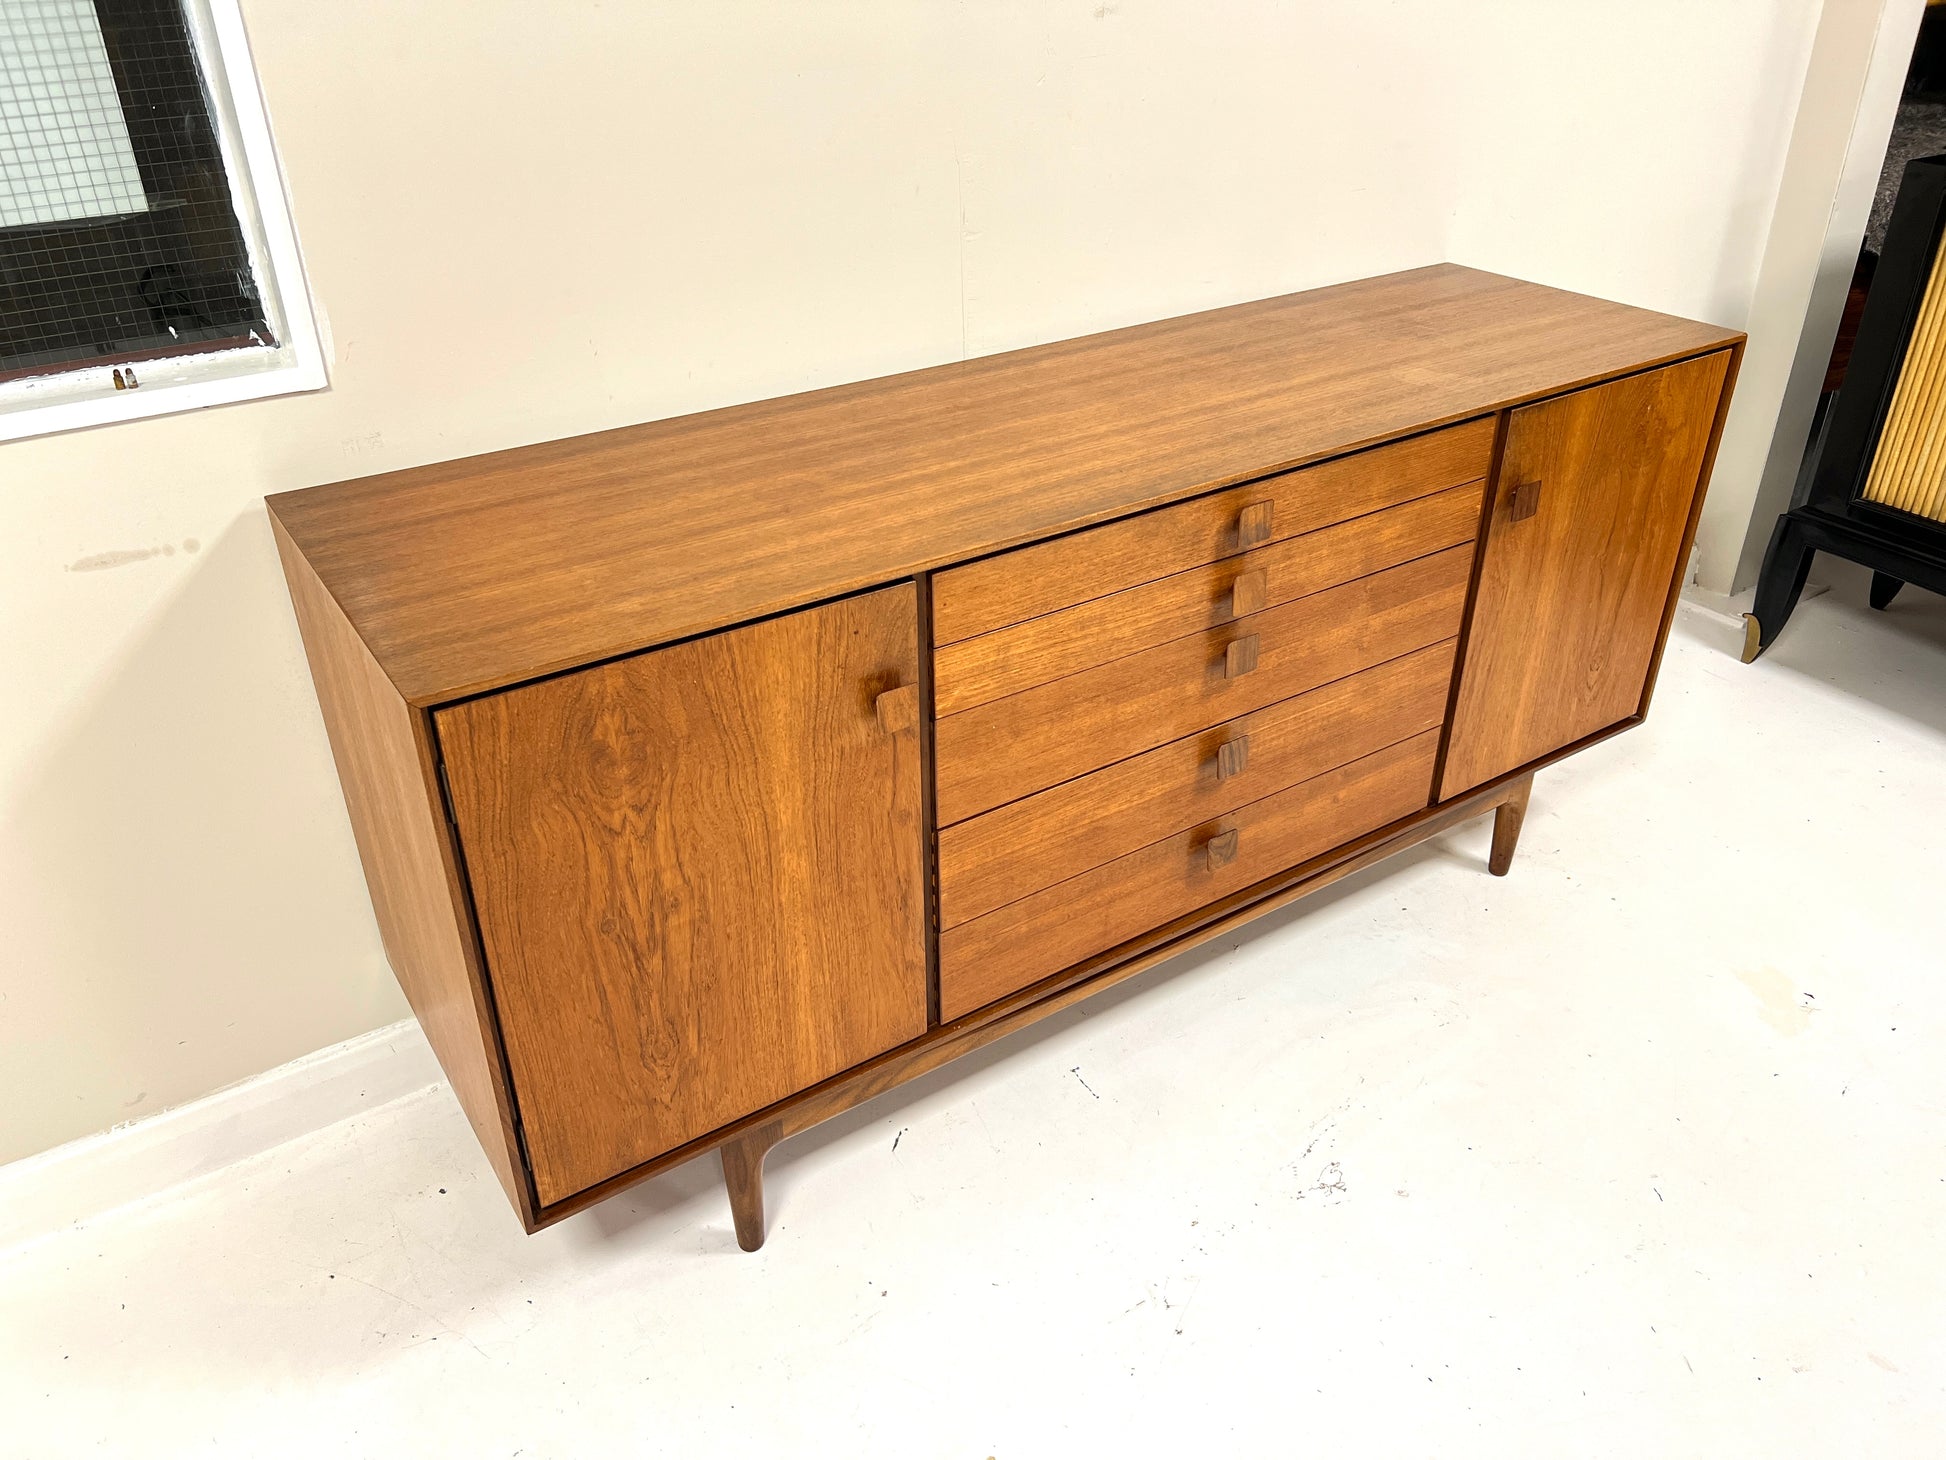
point(1703, 478)
point(383, 752)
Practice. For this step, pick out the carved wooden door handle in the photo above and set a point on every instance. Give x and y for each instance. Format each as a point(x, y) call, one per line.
point(1240, 657)
point(1249, 592)
point(1231, 757)
point(898, 709)
point(1253, 523)
point(1220, 850)
point(1523, 501)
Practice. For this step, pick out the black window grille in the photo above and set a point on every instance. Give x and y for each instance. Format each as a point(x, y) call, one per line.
point(120, 241)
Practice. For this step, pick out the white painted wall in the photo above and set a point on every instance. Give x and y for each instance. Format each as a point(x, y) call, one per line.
point(524, 221)
point(1851, 98)
point(1837, 139)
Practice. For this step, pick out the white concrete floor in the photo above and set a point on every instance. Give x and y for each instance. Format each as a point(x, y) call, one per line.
point(1639, 1151)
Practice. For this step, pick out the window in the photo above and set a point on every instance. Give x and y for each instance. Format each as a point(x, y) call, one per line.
point(147, 263)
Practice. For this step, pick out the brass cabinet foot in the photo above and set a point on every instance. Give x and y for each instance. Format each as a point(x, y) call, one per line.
point(1507, 819)
point(743, 1173)
point(1787, 563)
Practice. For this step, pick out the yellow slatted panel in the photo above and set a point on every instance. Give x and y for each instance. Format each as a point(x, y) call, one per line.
point(1909, 468)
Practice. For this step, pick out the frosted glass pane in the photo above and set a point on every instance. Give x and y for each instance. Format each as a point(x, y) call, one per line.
point(66, 152)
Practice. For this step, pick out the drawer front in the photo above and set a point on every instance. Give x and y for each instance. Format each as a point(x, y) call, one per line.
point(1009, 660)
point(1041, 935)
point(1009, 748)
point(1065, 830)
point(1019, 585)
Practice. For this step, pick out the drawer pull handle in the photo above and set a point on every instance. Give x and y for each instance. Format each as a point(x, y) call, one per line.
point(1231, 757)
point(1220, 850)
point(1249, 593)
point(1523, 501)
point(1241, 657)
point(1253, 524)
point(898, 709)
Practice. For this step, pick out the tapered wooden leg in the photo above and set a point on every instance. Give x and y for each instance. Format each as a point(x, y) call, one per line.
point(743, 1174)
point(1885, 588)
point(1507, 818)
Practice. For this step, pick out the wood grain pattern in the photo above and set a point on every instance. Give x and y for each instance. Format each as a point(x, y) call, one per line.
point(898, 709)
point(1688, 542)
point(1006, 749)
point(383, 752)
point(617, 867)
point(698, 877)
point(1067, 829)
point(1249, 592)
point(1220, 850)
point(1240, 656)
point(985, 597)
point(1233, 755)
point(1507, 821)
point(1073, 985)
point(743, 1177)
point(1256, 523)
point(1028, 940)
point(1570, 602)
point(468, 575)
point(1068, 640)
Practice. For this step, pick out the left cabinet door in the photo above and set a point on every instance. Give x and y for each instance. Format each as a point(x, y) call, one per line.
point(699, 879)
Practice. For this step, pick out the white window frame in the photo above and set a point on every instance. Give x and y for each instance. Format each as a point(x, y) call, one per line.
point(71, 399)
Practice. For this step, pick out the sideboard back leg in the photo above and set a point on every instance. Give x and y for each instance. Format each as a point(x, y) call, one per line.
point(1507, 818)
point(743, 1174)
point(1885, 588)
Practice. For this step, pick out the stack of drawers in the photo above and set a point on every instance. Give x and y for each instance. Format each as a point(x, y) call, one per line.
point(1136, 720)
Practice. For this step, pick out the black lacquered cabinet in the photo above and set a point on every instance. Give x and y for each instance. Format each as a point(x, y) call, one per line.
point(1873, 486)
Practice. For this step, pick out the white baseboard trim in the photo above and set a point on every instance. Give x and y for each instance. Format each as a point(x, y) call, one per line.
point(71, 1184)
point(1723, 605)
point(1734, 606)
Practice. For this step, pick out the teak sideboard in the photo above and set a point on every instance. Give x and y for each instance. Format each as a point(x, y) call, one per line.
point(714, 775)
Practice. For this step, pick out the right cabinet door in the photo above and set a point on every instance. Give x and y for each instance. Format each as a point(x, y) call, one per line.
point(1591, 514)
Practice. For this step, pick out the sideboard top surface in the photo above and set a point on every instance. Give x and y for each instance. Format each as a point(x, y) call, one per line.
point(467, 575)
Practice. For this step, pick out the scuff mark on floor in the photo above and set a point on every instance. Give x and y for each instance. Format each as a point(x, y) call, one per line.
point(1778, 1000)
point(1329, 1185)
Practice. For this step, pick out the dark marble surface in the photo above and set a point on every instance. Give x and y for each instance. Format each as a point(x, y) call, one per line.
point(1920, 131)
